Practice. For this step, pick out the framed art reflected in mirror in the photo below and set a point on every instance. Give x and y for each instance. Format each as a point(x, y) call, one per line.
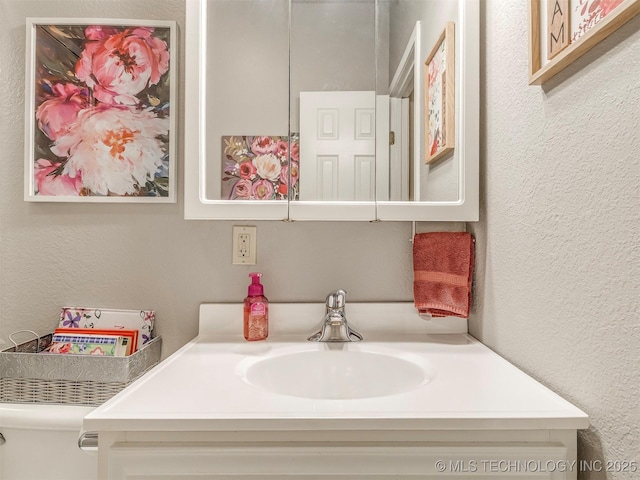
point(440, 97)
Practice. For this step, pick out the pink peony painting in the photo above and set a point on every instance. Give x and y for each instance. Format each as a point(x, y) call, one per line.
point(102, 127)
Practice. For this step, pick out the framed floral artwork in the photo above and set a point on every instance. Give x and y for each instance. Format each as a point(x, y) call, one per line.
point(100, 110)
point(260, 167)
point(439, 97)
point(561, 31)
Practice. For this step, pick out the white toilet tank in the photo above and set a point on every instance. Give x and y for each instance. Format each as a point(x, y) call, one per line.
point(41, 441)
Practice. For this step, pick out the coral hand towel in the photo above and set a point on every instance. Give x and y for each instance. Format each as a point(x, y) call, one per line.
point(443, 270)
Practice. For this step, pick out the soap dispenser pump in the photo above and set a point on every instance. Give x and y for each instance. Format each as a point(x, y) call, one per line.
point(256, 311)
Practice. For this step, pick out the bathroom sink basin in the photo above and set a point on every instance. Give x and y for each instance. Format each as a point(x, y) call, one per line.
point(337, 373)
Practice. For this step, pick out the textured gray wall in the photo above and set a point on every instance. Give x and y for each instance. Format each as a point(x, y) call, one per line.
point(557, 284)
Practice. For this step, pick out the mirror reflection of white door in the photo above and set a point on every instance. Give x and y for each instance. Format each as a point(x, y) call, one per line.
point(399, 152)
point(337, 146)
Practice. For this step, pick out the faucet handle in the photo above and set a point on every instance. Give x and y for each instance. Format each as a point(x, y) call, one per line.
point(337, 300)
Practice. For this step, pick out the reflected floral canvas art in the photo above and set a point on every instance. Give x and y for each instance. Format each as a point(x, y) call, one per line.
point(260, 167)
point(101, 127)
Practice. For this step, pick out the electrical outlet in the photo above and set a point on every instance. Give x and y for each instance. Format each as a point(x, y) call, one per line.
point(244, 245)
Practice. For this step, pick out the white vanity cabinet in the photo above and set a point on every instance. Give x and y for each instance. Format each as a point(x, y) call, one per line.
point(203, 414)
point(375, 455)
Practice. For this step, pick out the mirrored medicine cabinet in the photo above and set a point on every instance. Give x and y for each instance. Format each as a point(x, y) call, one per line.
point(328, 109)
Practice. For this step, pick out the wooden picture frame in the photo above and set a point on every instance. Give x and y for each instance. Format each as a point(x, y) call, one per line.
point(439, 98)
point(595, 21)
point(100, 110)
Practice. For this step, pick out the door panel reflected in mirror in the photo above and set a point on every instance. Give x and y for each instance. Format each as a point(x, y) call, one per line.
point(337, 146)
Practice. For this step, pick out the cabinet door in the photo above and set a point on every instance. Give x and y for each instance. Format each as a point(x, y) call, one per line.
point(250, 87)
point(394, 461)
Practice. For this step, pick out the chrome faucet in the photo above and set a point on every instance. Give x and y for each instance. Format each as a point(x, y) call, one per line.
point(334, 324)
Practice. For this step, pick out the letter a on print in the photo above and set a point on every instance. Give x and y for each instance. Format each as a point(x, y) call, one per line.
point(558, 26)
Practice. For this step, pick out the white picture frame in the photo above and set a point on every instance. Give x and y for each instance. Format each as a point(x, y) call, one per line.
point(100, 110)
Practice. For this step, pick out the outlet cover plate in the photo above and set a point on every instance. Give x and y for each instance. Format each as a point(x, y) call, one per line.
point(244, 245)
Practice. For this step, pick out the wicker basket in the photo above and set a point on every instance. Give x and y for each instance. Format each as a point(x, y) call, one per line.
point(30, 377)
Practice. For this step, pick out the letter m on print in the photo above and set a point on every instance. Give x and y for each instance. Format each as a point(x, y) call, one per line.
point(558, 26)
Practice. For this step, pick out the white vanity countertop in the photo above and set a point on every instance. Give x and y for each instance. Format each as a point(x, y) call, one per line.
point(198, 388)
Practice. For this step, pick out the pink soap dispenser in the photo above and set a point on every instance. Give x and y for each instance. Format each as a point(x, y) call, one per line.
point(256, 311)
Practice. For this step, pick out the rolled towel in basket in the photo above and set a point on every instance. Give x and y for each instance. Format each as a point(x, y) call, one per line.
point(443, 270)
